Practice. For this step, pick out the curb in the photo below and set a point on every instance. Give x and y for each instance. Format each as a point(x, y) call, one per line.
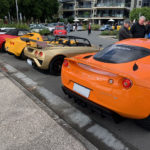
point(57, 108)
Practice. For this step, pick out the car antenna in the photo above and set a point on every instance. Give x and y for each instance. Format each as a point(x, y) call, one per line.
point(135, 67)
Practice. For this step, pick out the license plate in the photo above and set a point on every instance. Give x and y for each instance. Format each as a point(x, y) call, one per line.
point(29, 62)
point(81, 90)
point(60, 32)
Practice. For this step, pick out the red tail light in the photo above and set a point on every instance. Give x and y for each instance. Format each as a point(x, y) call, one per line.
point(41, 54)
point(65, 63)
point(36, 53)
point(127, 83)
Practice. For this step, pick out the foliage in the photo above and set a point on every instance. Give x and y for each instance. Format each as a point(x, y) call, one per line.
point(114, 32)
point(31, 10)
point(137, 12)
point(45, 32)
point(70, 19)
point(95, 27)
point(19, 26)
point(4, 8)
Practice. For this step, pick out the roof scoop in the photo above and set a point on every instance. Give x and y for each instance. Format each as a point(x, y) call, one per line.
point(135, 67)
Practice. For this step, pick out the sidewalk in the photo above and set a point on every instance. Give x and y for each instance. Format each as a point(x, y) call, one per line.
point(25, 126)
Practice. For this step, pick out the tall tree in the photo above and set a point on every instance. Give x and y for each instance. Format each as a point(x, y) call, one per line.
point(136, 13)
point(4, 8)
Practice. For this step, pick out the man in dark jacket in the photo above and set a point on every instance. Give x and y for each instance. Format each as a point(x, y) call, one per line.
point(124, 32)
point(138, 29)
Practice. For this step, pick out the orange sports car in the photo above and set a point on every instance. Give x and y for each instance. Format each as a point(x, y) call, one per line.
point(116, 78)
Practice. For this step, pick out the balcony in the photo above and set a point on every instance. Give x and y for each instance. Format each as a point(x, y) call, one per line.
point(68, 8)
point(110, 5)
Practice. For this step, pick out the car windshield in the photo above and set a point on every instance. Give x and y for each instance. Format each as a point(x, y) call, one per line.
point(60, 28)
point(16, 32)
point(121, 54)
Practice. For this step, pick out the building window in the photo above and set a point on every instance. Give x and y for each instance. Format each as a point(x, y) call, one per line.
point(140, 3)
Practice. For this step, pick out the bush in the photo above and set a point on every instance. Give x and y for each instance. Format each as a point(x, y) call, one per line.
point(114, 32)
point(95, 27)
point(45, 32)
point(20, 26)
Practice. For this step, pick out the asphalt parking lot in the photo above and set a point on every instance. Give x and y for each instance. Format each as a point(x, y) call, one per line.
point(126, 131)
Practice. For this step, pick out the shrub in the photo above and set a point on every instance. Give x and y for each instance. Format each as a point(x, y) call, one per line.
point(20, 26)
point(45, 32)
point(114, 32)
point(95, 27)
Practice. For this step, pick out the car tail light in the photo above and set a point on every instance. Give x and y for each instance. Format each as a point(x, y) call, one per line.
point(65, 63)
point(41, 54)
point(36, 53)
point(127, 83)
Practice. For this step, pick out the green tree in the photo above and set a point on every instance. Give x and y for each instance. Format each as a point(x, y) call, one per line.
point(4, 8)
point(137, 12)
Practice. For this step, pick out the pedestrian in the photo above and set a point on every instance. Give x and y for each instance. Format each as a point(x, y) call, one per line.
point(148, 29)
point(138, 29)
point(76, 26)
point(89, 29)
point(124, 32)
point(68, 27)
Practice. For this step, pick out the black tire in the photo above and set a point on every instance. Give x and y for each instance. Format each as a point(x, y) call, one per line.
point(144, 123)
point(3, 48)
point(22, 56)
point(55, 65)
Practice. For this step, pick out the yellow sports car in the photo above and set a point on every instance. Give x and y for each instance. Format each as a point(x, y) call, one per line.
point(16, 45)
point(50, 57)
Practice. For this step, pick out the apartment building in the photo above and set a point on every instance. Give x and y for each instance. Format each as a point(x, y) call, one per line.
point(143, 3)
point(98, 11)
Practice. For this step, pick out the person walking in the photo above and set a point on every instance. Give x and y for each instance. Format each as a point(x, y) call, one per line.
point(68, 27)
point(89, 29)
point(138, 29)
point(124, 32)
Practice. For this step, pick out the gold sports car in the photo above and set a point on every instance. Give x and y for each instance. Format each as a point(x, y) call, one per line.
point(50, 57)
point(16, 45)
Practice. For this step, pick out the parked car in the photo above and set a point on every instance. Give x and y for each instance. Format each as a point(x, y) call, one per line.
point(106, 27)
point(37, 28)
point(4, 30)
point(116, 79)
point(17, 45)
point(60, 30)
point(11, 34)
point(50, 57)
point(51, 27)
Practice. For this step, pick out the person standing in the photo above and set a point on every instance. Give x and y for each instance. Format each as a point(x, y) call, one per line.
point(68, 27)
point(89, 29)
point(138, 29)
point(124, 32)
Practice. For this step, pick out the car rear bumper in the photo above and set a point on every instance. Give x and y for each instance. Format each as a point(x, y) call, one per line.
point(76, 96)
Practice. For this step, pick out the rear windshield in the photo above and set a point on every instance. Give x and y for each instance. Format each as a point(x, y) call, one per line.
point(60, 28)
point(121, 54)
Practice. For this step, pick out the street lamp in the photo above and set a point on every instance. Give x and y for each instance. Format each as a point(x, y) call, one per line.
point(17, 10)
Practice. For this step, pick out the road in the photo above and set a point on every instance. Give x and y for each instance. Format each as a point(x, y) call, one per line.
point(126, 131)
